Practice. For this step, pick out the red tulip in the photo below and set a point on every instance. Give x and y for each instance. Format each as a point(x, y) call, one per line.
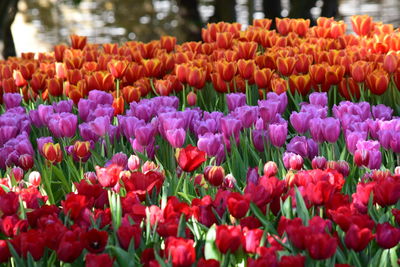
point(181, 251)
point(129, 234)
point(292, 260)
point(238, 205)
point(321, 246)
point(387, 236)
point(229, 238)
point(143, 184)
point(117, 68)
point(5, 254)
point(78, 42)
point(108, 176)
point(52, 152)
point(190, 158)
point(98, 260)
point(358, 239)
point(94, 240)
point(252, 239)
point(214, 175)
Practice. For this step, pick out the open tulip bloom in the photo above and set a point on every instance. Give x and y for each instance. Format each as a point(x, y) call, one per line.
point(254, 147)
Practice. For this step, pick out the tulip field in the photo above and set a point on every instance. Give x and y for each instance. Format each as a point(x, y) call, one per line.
point(252, 147)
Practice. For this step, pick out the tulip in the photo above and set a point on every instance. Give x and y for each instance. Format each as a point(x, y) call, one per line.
point(96, 260)
point(94, 240)
point(176, 137)
point(152, 67)
point(168, 43)
point(181, 251)
point(378, 81)
point(283, 25)
point(190, 158)
point(300, 83)
point(78, 42)
point(386, 192)
point(262, 77)
point(270, 169)
point(19, 79)
point(277, 134)
point(25, 161)
point(358, 239)
point(387, 236)
point(227, 70)
point(246, 50)
point(300, 26)
point(292, 161)
point(109, 176)
point(133, 163)
point(214, 175)
point(127, 234)
point(235, 100)
point(191, 98)
point(321, 246)
point(238, 205)
point(286, 65)
point(278, 85)
point(331, 129)
point(228, 238)
point(196, 77)
point(362, 24)
point(319, 163)
point(246, 68)
point(52, 152)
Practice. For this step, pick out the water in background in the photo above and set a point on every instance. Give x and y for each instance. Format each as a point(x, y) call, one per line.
point(41, 24)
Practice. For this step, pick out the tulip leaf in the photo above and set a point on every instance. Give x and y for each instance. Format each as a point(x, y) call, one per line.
point(301, 208)
point(210, 249)
point(375, 260)
point(371, 209)
point(257, 212)
point(394, 257)
point(5, 188)
point(18, 261)
point(287, 207)
point(123, 257)
point(182, 226)
point(383, 262)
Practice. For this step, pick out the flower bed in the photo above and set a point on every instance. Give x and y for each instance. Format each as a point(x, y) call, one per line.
point(251, 148)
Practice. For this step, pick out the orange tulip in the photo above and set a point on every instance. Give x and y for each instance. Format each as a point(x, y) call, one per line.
point(152, 67)
point(391, 62)
point(110, 48)
point(317, 73)
point(19, 79)
point(55, 86)
point(218, 83)
point(191, 98)
point(262, 77)
point(131, 93)
point(246, 68)
point(74, 76)
point(262, 23)
point(285, 65)
point(163, 87)
point(278, 85)
point(196, 77)
point(362, 24)
point(337, 29)
point(133, 73)
point(61, 70)
point(378, 81)
point(38, 82)
point(118, 105)
point(246, 50)
point(334, 74)
point(300, 26)
point(74, 62)
point(224, 40)
point(76, 92)
point(325, 22)
point(168, 43)
point(303, 63)
point(283, 25)
point(100, 80)
point(117, 68)
point(78, 42)
point(52, 152)
point(348, 88)
point(300, 83)
point(359, 70)
point(144, 85)
point(227, 70)
point(27, 70)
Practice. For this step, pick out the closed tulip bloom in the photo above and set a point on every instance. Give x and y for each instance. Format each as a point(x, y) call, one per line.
point(214, 175)
point(362, 24)
point(292, 161)
point(378, 81)
point(176, 137)
point(19, 79)
point(12, 100)
point(229, 238)
point(391, 62)
point(52, 152)
point(238, 205)
point(98, 260)
point(321, 246)
point(316, 129)
point(260, 139)
point(109, 176)
point(358, 239)
point(319, 163)
point(300, 121)
point(133, 163)
point(320, 99)
point(117, 68)
point(387, 191)
point(278, 133)
point(270, 169)
point(331, 129)
point(387, 236)
point(100, 126)
point(181, 251)
point(191, 99)
point(235, 100)
point(81, 150)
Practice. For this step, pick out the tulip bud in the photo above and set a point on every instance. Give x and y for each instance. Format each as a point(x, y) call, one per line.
point(199, 180)
point(35, 178)
point(229, 181)
point(318, 163)
point(191, 99)
point(343, 168)
point(214, 175)
point(397, 170)
point(25, 161)
point(81, 150)
point(332, 165)
point(17, 173)
point(292, 161)
point(133, 163)
point(361, 157)
point(149, 166)
point(19, 79)
point(252, 175)
point(61, 70)
point(52, 152)
point(91, 176)
point(270, 169)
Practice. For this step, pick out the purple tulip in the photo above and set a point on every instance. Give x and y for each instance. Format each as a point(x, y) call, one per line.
point(316, 130)
point(143, 110)
point(277, 134)
point(149, 149)
point(375, 159)
point(206, 126)
point(368, 145)
point(145, 134)
point(129, 124)
point(395, 142)
point(315, 111)
point(63, 124)
point(319, 99)
point(7, 133)
point(101, 111)
point(100, 97)
point(44, 113)
point(352, 139)
point(281, 98)
point(85, 107)
point(382, 112)
point(319, 163)
point(63, 106)
point(268, 110)
point(300, 121)
point(86, 132)
point(247, 115)
point(331, 129)
point(252, 175)
point(231, 127)
point(292, 161)
point(120, 159)
point(100, 126)
point(12, 100)
point(385, 137)
point(176, 137)
point(235, 100)
point(298, 145)
point(260, 139)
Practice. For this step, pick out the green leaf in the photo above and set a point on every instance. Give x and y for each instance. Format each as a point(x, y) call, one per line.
point(123, 257)
point(182, 226)
point(394, 257)
point(210, 249)
point(301, 208)
point(257, 212)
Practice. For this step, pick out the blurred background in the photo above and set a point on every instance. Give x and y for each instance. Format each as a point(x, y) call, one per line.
point(37, 25)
